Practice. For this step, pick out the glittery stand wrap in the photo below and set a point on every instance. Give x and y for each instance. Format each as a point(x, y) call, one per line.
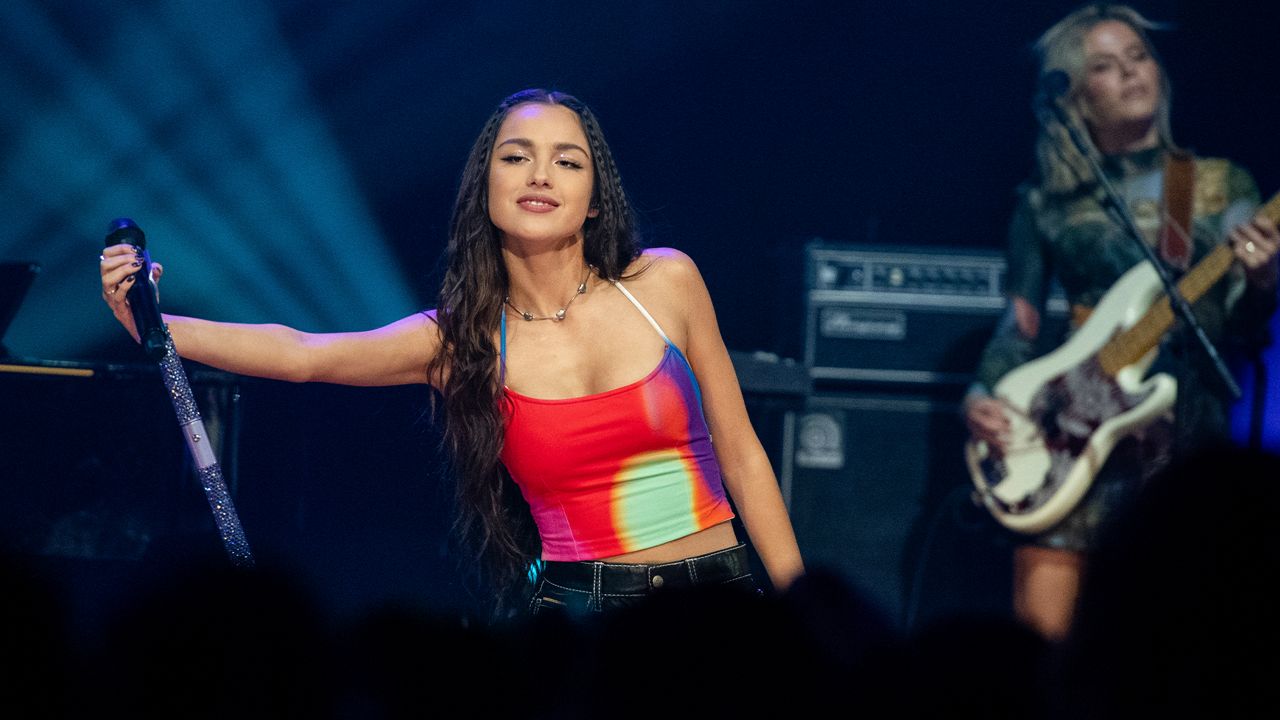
point(215, 489)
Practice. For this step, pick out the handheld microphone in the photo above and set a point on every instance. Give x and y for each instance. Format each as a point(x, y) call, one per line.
point(142, 296)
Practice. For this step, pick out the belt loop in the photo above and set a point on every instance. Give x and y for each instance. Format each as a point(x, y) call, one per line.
point(597, 568)
point(693, 570)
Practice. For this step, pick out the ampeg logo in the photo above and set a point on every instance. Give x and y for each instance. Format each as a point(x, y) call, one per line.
point(820, 442)
point(862, 324)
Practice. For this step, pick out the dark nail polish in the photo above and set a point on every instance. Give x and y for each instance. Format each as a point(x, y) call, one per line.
point(137, 263)
point(137, 250)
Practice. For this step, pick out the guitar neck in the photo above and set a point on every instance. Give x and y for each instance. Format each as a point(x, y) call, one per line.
point(1130, 345)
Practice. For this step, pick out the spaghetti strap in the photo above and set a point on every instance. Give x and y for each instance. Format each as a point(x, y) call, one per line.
point(502, 349)
point(644, 312)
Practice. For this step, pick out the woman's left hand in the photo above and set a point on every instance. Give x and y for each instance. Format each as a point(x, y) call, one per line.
point(1255, 244)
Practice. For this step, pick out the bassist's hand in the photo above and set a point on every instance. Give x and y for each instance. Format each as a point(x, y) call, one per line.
point(1255, 244)
point(986, 419)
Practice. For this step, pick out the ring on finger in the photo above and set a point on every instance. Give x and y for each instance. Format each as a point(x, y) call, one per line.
point(102, 258)
point(1249, 246)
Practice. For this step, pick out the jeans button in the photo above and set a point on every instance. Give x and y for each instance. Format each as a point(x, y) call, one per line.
point(657, 581)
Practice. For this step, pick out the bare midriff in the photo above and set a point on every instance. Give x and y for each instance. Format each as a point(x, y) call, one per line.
point(716, 537)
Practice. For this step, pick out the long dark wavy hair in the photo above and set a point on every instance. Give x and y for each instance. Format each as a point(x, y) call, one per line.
point(493, 520)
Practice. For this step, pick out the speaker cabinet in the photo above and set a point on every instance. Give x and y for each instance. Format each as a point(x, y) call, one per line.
point(878, 493)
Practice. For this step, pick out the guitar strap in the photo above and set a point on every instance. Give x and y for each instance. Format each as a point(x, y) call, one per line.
point(1179, 191)
point(1174, 238)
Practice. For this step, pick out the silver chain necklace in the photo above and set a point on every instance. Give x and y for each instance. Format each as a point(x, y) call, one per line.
point(559, 314)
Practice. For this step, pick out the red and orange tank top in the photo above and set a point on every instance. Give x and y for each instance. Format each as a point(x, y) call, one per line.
point(617, 471)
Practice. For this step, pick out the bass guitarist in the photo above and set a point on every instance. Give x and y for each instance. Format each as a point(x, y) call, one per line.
point(1119, 97)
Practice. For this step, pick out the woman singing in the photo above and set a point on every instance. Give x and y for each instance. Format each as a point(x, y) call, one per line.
point(1119, 100)
point(591, 374)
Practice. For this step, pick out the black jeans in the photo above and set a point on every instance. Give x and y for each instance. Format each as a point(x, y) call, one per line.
point(593, 587)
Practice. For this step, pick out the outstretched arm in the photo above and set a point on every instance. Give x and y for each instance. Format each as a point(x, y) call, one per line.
point(392, 355)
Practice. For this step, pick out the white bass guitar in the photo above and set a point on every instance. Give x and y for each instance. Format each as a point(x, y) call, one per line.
point(1069, 408)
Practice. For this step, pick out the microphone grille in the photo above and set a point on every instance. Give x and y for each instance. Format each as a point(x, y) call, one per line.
point(124, 230)
point(1055, 83)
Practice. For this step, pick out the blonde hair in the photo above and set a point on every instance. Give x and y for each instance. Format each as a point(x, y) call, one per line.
point(1063, 170)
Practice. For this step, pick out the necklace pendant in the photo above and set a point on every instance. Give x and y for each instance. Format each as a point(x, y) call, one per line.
point(559, 315)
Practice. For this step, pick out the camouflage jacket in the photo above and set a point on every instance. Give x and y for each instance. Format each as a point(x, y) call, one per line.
point(1070, 240)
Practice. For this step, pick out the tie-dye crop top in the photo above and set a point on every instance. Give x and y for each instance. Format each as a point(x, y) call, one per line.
point(617, 471)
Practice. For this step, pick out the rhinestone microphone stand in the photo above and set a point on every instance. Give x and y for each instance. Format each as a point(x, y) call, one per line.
point(208, 471)
point(158, 345)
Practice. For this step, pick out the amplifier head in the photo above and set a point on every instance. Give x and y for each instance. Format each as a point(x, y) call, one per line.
point(917, 315)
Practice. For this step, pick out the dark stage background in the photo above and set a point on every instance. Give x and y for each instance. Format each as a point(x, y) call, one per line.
point(295, 162)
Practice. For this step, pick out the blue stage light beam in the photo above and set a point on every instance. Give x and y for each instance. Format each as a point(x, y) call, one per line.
point(193, 119)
